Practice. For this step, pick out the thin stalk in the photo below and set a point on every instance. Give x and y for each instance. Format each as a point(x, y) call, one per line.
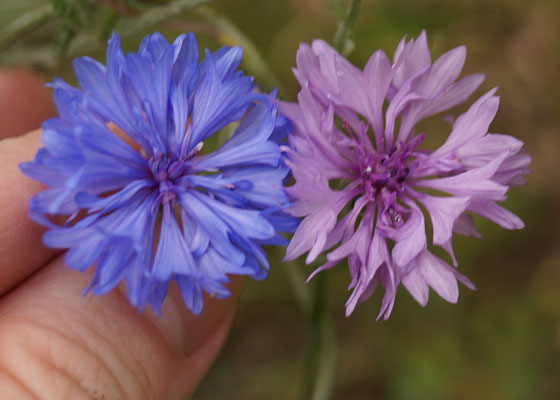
point(320, 357)
point(299, 289)
point(340, 41)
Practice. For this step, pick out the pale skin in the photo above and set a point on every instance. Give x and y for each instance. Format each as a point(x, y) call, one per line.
point(56, 343)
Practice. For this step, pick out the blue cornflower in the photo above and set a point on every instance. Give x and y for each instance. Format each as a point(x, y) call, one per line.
point(124, 162)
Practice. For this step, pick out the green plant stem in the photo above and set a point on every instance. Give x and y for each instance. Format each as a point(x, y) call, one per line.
point(337, 8)
point(299, 289)
point(320, 357)
point(340, 41)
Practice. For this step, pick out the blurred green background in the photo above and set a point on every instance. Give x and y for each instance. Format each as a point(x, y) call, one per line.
point(500, 342)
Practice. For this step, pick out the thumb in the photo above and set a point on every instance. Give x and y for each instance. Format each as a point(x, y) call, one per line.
point(57, 344)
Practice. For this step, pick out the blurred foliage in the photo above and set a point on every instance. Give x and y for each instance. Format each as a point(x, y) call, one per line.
point(501, 342)
point(46, 34)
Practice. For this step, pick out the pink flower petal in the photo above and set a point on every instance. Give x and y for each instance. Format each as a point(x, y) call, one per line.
point(439, 276)
point(377, 75)
point(444, 211)
point(495, 213)
point(416, 285)
point(474, 182)
point(417, 58)
point(412, 238)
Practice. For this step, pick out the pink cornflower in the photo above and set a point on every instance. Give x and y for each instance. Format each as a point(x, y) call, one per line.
point(365, 187)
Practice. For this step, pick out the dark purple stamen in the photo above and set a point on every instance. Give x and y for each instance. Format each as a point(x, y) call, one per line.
point(389, 171)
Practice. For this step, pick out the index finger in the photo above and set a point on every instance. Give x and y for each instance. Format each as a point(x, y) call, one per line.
point(21, 249)
point(24, 103)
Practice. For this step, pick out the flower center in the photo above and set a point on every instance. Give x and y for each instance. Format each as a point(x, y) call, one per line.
point(166, 171)
point(386, 172)
point(389, 170)
point(384, 177)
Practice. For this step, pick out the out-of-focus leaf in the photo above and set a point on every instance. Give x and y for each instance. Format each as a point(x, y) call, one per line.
point(24, 23)
point(83, 27)
point(157, 14)
point(253, 61)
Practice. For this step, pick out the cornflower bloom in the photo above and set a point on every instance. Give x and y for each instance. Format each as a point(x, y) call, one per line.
point(361, 178)
point(124, 162)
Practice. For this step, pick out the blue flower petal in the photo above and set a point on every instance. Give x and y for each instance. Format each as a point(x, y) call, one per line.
point(186, 56)
point(216, 228)
point(216, 103)
point(192, 295)
point(173, 255)
point(227, 60)
point(153, 46)
point(247, 223)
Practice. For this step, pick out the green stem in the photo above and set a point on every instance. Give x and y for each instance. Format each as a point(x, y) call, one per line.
point(299, 289)
point(320, 361)
point(340, 41)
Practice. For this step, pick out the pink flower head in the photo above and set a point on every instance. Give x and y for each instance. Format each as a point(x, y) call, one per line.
point(361, 176)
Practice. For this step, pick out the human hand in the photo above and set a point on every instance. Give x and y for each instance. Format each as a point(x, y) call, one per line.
point(56, 343)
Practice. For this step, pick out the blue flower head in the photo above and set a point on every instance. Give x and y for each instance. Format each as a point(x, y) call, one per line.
point(145, 201)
